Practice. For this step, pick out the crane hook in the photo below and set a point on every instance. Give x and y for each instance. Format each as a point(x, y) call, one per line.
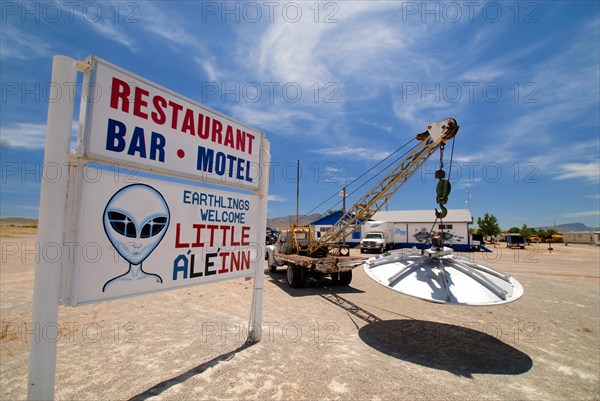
point(442, 191)
point(443, 213)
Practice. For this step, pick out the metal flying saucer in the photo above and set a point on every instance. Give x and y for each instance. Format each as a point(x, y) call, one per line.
point(437, 275)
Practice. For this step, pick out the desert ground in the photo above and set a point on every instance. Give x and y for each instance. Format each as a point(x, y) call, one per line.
point(320, 342)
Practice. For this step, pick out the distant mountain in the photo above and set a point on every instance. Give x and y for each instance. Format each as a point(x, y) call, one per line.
point(569, 227)
point(284, 222)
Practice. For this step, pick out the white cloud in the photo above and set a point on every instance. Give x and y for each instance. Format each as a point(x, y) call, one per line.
point(467, 183)
point(417, 111)
point(361, 62)
point(287, 53)
point(562, 84)
point(209, 67)
point(111, 31)
point(24, 136)
point(20, 45)
point(165, 29)
point(307, 52)
point(558, 161)
point(586, 171)
point(23, 45)
point(354, 152)
point(278, 120)
point(564, 87)
point(466, 158)
point(277, 198)
point(160, 22)
point(386, 128)
point(483, 73)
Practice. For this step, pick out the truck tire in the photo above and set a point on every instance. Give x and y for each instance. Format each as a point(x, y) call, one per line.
point(296, 277)
point(342, 278)
point(272, 268)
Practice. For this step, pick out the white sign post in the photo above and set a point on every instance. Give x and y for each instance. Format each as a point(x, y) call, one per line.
point(46, 286)
point(135, 210)
point(256, 310)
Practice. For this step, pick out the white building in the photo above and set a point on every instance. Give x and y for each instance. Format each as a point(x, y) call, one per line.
point(324, 224)
point(415, 227)
point(412, 228)
point(581, 237)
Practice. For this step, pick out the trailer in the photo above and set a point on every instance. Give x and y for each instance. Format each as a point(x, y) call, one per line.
point(515, 241)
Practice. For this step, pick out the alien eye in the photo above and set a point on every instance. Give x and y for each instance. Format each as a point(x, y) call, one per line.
point(153, 227)
point(122, 224)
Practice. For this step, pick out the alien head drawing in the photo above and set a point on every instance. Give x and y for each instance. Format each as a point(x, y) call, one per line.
point(136, 219)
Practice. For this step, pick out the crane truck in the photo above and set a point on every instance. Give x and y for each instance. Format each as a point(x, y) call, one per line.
point(305, 256)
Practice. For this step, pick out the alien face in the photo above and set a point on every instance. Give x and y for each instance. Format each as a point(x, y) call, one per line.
point(135, 220)
point(422, 235)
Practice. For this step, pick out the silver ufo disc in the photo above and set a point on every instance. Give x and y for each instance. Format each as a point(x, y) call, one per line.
point(437, 275)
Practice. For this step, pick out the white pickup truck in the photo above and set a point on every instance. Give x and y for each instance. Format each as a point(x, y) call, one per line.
point(378, 238)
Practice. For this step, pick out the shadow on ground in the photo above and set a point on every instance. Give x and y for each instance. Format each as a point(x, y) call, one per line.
point(458, 350)
point(313, 286)
point(167, 384)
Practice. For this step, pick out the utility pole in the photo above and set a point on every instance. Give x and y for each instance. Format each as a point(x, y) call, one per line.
point(297, 190)
point(343, 196)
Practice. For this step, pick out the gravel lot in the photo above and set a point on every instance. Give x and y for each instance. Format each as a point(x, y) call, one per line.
point(358, 342)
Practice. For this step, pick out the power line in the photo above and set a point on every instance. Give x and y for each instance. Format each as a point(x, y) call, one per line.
point(365, 173)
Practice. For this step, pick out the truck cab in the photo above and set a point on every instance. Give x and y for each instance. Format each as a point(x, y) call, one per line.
point(288, 243)
point(373, 242)
point(476, 242)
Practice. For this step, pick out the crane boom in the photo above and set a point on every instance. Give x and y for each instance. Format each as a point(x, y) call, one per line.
point(436, 135)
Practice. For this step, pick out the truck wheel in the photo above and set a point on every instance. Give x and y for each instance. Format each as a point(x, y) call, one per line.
point(362, 250)
point(296, 277)
point(272, 268)
point(341, 278)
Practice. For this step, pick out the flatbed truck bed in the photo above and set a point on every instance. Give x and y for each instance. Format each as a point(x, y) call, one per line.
point(300, 267)
point(326, 265)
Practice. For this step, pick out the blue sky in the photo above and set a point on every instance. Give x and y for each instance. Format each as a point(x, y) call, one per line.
point(339, 86)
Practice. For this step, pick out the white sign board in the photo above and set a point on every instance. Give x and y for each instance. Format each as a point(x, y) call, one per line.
point(143, 234)
point(161, 231)
point(131, 120)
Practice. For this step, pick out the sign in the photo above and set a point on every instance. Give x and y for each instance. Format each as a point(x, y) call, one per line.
point(162, 230)
point(155, 234)
point(131, 120)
